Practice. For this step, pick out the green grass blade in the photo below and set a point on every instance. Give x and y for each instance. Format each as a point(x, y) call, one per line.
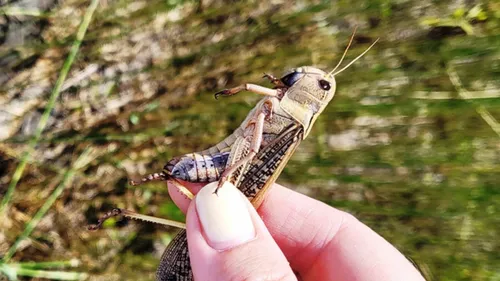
point(9, 271)
point(50, 105)
point(68, 175)
point(480, 109)
point(54, 275)
point(32, 269)
point(21, 11)
point(50, 264)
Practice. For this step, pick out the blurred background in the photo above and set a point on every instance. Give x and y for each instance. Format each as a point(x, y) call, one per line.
point(410, 144)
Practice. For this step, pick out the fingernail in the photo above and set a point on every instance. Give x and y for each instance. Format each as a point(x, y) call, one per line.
point(224, 216)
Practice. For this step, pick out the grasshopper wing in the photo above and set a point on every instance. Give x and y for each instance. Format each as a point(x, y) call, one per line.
point(261, 173)
point(174, 263)
point(267, 165)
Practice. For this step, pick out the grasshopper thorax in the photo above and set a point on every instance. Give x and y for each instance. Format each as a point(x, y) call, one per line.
point(309, 92)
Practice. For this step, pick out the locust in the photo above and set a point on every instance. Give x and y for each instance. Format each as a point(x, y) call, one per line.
point(253, 156)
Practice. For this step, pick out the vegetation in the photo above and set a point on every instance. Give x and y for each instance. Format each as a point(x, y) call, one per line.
point(410, 144)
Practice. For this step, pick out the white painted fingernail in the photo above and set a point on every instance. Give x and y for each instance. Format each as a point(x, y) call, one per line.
point(224, 216)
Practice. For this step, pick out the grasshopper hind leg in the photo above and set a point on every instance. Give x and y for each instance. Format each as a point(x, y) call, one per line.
point(116, 212)
point(253, 138)
point(162, 176)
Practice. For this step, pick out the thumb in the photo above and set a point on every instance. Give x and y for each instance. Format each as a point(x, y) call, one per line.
point(227, 240)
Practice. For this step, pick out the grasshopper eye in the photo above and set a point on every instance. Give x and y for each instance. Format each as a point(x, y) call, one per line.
point(325, 85)
point(291, 78)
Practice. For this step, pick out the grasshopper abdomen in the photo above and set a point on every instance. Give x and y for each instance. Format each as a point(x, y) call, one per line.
point(196, 167)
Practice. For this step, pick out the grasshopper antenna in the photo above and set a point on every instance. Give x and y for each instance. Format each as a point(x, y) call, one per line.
point(357, 58)
point(345, 51)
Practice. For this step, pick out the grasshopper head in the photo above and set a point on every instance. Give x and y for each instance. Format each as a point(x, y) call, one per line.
point(310, 90)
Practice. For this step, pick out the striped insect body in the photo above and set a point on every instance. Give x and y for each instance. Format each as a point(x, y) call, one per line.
point(253, 156)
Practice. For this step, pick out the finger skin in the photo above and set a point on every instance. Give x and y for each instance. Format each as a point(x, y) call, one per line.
point(180, 199)
point(323, 243)
point(258, 259)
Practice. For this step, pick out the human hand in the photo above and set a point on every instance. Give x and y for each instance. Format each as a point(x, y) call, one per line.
point(294, 238)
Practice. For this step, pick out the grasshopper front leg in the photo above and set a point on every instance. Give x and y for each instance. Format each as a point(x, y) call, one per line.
point(276, 81)
point(253, 135)
point(247, 87)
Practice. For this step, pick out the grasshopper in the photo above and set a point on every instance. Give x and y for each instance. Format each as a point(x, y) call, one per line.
point(253, 156)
